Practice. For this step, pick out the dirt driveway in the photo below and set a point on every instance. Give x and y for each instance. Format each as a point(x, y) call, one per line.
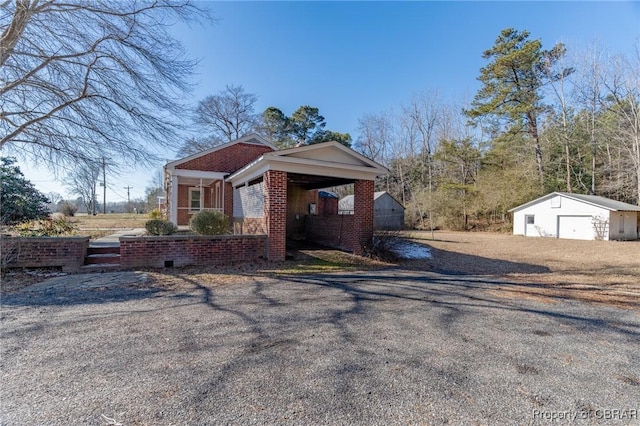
point(392, 346)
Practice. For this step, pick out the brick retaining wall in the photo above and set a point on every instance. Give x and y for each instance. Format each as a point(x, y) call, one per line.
point(40, 252)
point(335, 231)
point(182, 250)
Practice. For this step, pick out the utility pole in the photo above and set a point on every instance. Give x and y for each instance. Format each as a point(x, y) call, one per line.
point(128, 198)
point(104, 187)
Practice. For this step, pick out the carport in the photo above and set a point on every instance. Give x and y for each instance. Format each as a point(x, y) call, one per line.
point(284, 186)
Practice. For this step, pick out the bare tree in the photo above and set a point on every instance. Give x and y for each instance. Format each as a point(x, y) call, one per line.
point(83, 79)
point(82, 182)
point(623, 90)
point(228, 115)
point(195, 145)
point(588, 90)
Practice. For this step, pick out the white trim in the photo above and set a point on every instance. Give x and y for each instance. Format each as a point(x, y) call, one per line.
point(173, 204)
point(308, 166)
point(245, 139)
point(347, 150)
point(190, 190)
point(578, 199)
point(198, 174)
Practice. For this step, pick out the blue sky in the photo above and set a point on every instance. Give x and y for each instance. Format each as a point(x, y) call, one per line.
point(352, 58)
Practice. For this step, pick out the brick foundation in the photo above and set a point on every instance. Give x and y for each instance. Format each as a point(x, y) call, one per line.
point(40, 252)
point(183, 250)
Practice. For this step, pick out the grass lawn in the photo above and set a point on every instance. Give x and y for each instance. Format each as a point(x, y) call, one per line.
point(110, 221)
point(584, 270)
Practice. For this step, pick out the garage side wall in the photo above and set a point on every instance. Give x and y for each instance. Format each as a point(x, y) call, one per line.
point(547, 214)
point(623, 226)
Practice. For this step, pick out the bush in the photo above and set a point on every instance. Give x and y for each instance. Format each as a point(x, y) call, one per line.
point(156, 214)
point(55, 227)
point(68, 209)
point(384, 244)
point(160, 227)
point(207, 222)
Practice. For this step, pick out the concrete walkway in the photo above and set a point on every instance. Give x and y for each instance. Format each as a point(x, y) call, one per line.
point(113, 240)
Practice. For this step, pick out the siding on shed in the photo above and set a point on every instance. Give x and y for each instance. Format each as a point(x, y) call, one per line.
point(546, 216)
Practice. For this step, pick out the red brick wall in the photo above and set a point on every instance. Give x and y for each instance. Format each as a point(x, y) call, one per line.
point(249, 225)
point(275, 208)
point(228, 199)
point(335, 231)
point(182, 250)
point(38, 252)
point(327, 206)
point(228, 159)
point(298, 200)
point(362, 214)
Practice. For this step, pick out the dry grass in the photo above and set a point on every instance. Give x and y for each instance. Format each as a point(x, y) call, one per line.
point(598, 271)
point(110, 221)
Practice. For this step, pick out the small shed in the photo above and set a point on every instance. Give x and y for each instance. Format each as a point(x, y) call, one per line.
point(388, 213)
point(578, 217)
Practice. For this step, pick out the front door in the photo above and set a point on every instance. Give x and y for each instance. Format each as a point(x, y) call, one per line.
point(530, 226)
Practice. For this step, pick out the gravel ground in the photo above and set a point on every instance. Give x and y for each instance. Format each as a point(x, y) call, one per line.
point(378, 347)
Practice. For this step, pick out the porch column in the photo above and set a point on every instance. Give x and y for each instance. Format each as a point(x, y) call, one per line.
point(362, 215)
point(173, 199)
point(275, 213)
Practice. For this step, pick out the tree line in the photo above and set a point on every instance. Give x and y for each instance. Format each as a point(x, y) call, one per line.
point(89, 81)
point(540, 122)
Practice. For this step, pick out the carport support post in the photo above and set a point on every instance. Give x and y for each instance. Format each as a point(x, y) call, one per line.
point(275, 211)
point(363, 215)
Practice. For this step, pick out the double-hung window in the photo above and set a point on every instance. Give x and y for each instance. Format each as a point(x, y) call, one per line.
point(194, 199)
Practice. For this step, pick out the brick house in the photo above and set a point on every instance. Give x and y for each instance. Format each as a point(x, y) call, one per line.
point(264, 190)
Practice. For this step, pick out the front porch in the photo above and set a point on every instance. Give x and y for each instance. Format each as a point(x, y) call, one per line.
point(278, 194)
point(191, 191)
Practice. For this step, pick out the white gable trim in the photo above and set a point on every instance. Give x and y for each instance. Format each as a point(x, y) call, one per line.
point(280, 161)
point(566, 195)
point(245, 139)
point(305, 148)
point(197, 174)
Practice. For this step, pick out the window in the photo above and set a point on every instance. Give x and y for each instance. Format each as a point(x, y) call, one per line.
point(194, 199)
point(555, 202)
point(621, 225)
point(530, 219)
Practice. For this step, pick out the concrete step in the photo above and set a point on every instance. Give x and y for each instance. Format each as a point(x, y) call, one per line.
point(103, 250)
point(102, 258)
point(100, 267)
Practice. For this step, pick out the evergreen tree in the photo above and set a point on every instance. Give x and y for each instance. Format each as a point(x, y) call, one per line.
point(513, 82)
point(20, 201)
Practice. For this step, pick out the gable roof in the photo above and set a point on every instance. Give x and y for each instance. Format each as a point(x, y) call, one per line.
point(594, 200)
point(322, 159)
point(252, 139)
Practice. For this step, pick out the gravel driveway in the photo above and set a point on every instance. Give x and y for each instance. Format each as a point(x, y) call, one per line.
point(378, 347)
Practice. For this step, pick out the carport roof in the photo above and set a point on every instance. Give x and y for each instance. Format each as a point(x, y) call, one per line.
point(318, 165)
point(595, 200)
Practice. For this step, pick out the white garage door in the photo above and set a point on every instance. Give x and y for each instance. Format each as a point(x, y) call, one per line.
point(575, 227)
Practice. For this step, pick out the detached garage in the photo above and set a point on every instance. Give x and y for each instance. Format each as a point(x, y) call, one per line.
point(578, 217)
point(388, 213)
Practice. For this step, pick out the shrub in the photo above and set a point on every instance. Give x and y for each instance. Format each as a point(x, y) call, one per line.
point(207, 222)
point(384, 245)
point(160, 227)
point(55, 227)
point(156, 214)
point(68, 209)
